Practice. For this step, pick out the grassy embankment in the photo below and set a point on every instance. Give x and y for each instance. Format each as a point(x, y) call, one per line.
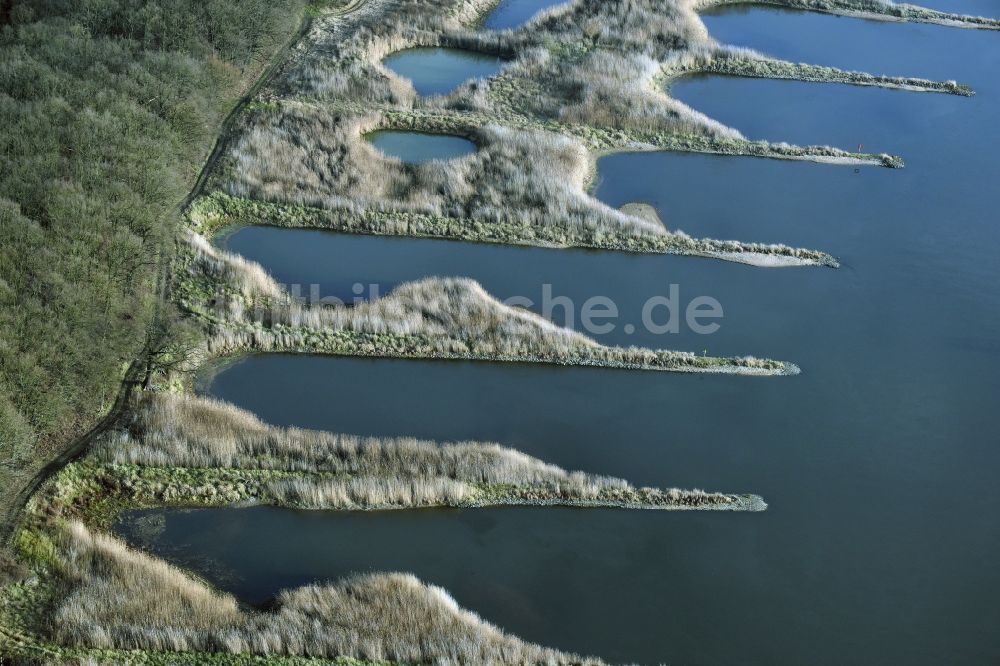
point(95, 597)
point(585, 78)
point(107, 110)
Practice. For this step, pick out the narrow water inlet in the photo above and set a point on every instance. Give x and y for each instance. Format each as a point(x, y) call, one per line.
point(866, 119)
point(438, 70)
point(420, 147)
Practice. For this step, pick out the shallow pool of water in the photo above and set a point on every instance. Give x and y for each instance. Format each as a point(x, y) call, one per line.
point(438, 71)
point(420, 147)
point(515, 13)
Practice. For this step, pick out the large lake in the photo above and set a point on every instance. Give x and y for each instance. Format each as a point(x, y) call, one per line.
point(878, 462)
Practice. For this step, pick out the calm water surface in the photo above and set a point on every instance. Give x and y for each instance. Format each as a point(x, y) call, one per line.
point(420, 147)
point(878, 462)
point(515, 13)
point(437, 71)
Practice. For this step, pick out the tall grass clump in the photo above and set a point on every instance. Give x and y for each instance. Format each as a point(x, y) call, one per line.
point(328, 470)
point(367, 492)
point(527, 178)
point(166, 430)
point(120, 598)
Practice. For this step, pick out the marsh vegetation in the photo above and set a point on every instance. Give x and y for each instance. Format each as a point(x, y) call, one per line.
point(521, 186)
point(185, 451)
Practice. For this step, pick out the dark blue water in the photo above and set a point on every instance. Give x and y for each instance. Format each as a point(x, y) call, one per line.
point(515, 13)
point(420, 147)
point(438, 71)
point(878, 462)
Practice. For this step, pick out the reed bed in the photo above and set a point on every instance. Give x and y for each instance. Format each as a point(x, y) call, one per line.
point(584, 76)
point(367, 492)
point(328, 470)
point(432, 307)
